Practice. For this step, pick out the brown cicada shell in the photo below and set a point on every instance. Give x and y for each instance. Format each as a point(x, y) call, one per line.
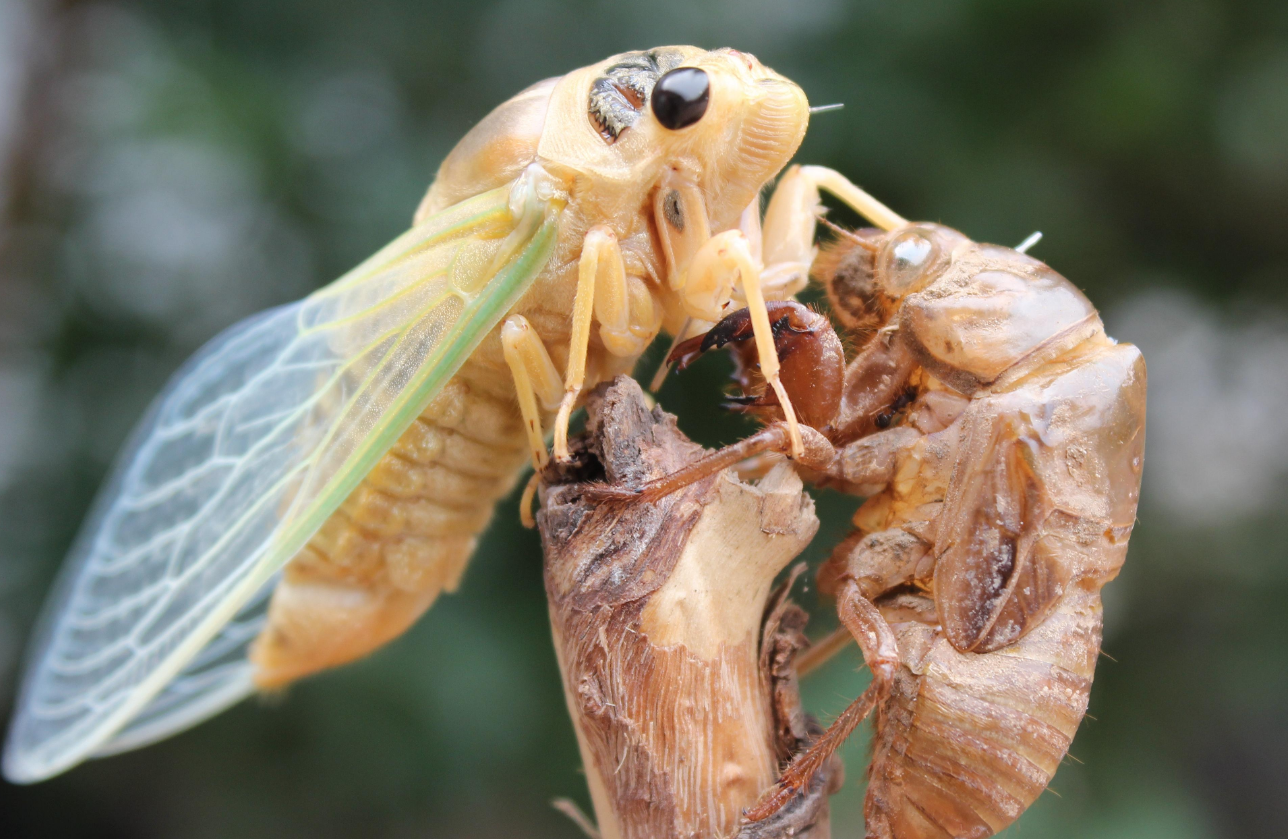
point(1009, 487)
point(998, 436)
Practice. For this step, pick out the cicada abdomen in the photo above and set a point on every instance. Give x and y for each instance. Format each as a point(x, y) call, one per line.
point(967, 741)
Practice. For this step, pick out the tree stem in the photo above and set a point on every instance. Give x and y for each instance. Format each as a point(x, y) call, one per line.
point(659, 612)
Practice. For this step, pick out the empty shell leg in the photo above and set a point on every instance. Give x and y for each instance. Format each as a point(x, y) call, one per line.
point(817, 453)
point(881, 654)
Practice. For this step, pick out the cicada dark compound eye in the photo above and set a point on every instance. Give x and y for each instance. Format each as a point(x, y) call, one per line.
point(680, 98)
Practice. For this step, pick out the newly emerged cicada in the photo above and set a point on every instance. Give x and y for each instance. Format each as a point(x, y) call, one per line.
point(313, 478)
point(997, 433)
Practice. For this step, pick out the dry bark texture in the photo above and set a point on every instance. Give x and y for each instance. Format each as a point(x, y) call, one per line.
point(658, 612)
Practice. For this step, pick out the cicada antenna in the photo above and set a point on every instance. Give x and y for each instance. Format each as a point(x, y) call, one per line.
point(849, 235)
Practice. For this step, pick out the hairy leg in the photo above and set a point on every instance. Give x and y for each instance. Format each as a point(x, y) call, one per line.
point(881, 653)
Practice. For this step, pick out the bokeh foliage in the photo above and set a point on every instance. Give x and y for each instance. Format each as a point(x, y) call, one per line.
point(184, 163)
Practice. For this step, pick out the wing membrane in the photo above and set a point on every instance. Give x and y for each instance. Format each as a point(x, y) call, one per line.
point(215, 678)
point(251, 447)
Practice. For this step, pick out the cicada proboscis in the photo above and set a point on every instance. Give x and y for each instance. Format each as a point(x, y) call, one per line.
point(310, 481)
point(997, 433)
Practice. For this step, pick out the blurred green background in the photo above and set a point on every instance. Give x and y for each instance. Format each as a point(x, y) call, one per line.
point(170, 166)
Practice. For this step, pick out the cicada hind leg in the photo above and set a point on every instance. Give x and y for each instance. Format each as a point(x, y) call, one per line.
point(881, 654)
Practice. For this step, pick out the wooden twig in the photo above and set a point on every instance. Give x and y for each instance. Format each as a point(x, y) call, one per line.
point(676, 664)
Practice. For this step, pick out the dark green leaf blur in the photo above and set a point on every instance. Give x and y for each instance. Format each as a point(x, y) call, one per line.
point(171, 166)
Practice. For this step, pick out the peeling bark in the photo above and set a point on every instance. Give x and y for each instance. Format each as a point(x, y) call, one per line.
point(677, 665)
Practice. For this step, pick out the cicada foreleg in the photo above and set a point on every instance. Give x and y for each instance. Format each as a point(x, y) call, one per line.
point(787, 235)
point(752, 261)
point(783, 244)
point(830, 180)
point(727, 258)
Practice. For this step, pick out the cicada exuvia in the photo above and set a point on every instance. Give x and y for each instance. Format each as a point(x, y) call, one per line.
point(997, 434)
point(310, 481)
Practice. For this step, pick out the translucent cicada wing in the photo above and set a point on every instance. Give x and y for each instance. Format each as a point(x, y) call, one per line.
point(217, 677)
point(253, 444)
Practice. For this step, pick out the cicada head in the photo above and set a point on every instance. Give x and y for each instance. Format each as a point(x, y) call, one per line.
point(719, 118)
point(969, 312)
point(753, 123)
point(868, 273)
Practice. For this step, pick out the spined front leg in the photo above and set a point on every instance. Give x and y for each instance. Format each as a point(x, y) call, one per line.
point(725, 260)
point(816, 453)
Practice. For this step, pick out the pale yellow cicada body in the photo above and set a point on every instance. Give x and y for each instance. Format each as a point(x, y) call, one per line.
point(310, 482)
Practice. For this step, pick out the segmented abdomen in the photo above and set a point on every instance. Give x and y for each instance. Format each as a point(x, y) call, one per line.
point(402, 537)
point(968, 741)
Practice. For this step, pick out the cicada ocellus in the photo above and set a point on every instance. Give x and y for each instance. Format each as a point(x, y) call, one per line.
point(310, 481)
